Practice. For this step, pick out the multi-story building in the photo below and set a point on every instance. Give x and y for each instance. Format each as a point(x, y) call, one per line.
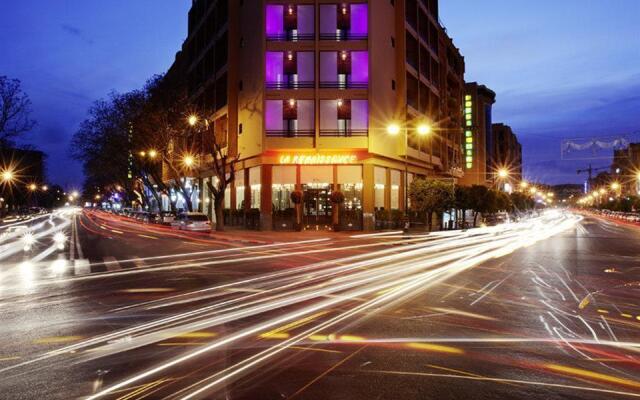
point(626, 169)
point(304, 91)
point(478, 136)
point(506, 153)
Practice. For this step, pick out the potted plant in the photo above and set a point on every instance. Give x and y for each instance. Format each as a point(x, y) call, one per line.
point(336, 198)
point(296, 199)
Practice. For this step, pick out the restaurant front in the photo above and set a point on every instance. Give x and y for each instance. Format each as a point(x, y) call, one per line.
point(264, 185)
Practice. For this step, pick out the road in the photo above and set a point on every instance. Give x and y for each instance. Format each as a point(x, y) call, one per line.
point(542, 309)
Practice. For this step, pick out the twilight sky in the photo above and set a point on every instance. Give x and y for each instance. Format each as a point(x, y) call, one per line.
point(561, 69)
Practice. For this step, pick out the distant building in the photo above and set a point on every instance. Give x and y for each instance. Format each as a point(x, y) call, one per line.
point(305, 92)
point(626, 168)
point(478, 140)
point(506, 152)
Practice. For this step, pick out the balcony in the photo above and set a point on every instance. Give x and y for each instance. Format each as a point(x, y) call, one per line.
point(290, 118)
point(343, 85)
point(344, 69)
point(291, 134)
point(290, 37)
point(290, 85)
point(341, 36)
point(344, 22)
point(290, 70)
point(344, 133)
point(292, 23)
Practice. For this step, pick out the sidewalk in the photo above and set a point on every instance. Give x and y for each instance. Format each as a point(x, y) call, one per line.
point(268, 237)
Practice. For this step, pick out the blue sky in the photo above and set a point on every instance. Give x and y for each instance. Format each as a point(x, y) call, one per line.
point(561, 69)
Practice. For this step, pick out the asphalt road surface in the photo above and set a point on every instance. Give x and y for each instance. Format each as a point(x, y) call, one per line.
point(542, 309)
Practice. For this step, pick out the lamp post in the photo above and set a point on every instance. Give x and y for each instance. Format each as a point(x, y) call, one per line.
point(394, 129)
point(501, 175)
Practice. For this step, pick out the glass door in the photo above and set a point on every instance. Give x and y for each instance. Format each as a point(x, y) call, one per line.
point(317, 206)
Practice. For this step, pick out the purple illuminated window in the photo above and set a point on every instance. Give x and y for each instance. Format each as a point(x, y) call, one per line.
point(275, 20)
point(273, 120)
point(358, 22)
point(329, 116)
point(359, 19)
point(358, 78)
point(274, 66)
point(359, 114)
point(360, 67)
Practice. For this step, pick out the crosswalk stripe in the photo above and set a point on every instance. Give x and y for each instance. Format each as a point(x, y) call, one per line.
point(138, 262)
point(81, 267)
point(111, 263)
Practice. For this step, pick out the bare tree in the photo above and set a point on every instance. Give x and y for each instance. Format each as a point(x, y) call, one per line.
point(15, 111)
point(224, 170)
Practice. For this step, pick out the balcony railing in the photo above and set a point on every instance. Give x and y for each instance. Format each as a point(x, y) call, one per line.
point(291, 85)
point(291, 37)
point(342, 36)
point(291, 134)
point(343, 85)
point(344, 133)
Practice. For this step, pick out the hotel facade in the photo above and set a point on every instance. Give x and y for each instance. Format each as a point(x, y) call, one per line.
point(305, 91)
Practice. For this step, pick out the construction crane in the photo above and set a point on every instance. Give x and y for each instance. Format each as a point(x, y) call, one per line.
point(591, 170)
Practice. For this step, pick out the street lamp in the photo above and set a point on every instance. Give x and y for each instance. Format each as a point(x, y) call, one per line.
point(33, 187)
point(192, 120)
point(524, 184)
point(153, 154)
point(615, 186)
point(45, 188)
point(7, 176)
point(394, 129)
point(188, 161)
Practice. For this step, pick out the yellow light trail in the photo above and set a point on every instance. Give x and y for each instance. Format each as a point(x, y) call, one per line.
point(583, 373)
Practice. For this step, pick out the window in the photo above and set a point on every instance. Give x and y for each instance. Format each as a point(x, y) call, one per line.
point(412, 51)
point(395, 189)
point(380, 175)
point(412, 91)
point(239, 185)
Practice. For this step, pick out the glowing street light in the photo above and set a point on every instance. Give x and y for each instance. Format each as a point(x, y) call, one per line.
point(192, 120)
point(45, 188)
point(524, 184)
point(33, 187)
point(503, 173)
point(153, 154)
point(393, 129)
point(615, 186)
point(7, 176)
point(603, 191)
point(188, 161)
point(424, 129)
point(533, 190)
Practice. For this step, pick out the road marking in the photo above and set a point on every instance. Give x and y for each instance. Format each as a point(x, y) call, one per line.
point(81, 267)
point(139, 262)
point(111, 263)
point(77, 239)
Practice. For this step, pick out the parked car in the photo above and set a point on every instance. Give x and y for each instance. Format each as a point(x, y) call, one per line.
point(192, 222)
point(165, 218)
point(142, 216)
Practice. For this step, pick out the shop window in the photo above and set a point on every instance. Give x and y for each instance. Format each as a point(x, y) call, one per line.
point(255, 185)
point(380, 175)
point(395, 190)
point(239, 185)
point(281, 196)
